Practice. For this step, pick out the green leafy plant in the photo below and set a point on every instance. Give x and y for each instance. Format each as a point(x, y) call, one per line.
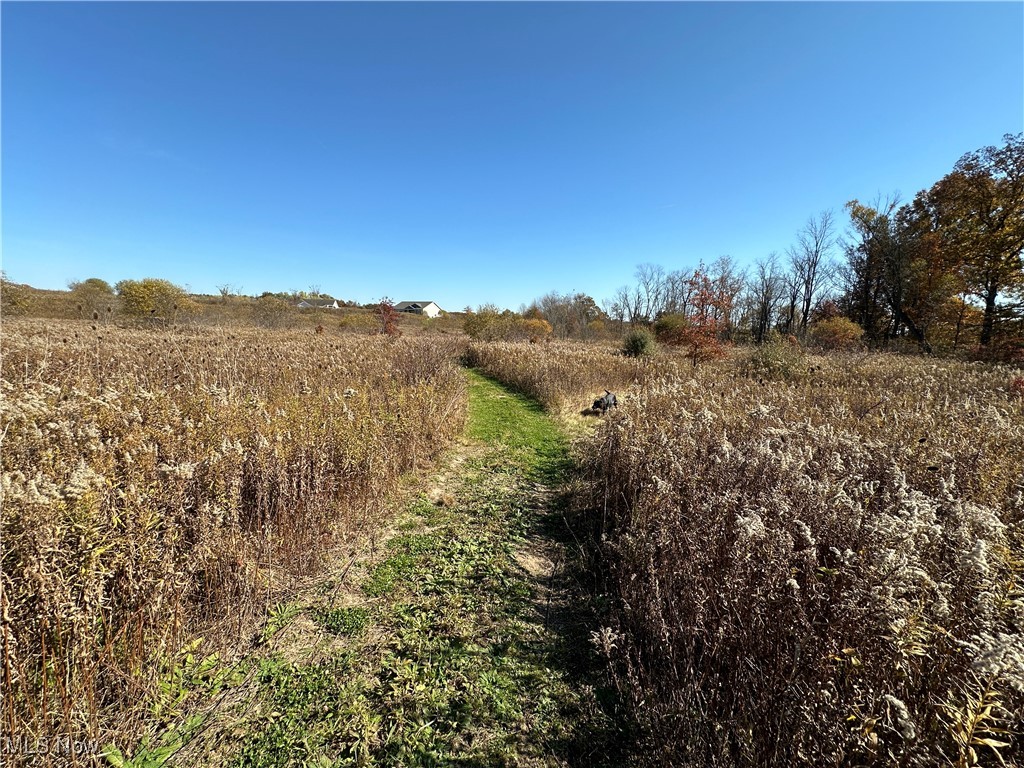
point(778, 358)
point(639, 342)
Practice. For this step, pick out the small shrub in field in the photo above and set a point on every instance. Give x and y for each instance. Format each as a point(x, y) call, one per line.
point(15, 298)
point(700, 345)
point(669, 329)
point(271, 312)
point(777, 358)
point(488, 324)
point(93, 295)
point(639, 342)
point(1017, 386)
point(537, 329)
point(155, 297)
point(698, 335)
point(595, 329)
point(387, 318)
point(836, 333)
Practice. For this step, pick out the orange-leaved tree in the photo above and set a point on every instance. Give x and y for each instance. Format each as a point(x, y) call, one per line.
point(387, 318)
point(699, 329)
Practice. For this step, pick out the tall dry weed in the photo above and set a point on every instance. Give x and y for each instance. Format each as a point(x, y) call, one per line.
point(163, 486)
point(817, 572)
point(563, 374)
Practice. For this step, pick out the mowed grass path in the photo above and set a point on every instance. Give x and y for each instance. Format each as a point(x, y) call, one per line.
point(463, 642)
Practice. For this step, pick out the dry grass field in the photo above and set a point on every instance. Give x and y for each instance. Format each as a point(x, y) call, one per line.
point(802, 560)
point(818, 571)
point(810, 560)
point(164, 486)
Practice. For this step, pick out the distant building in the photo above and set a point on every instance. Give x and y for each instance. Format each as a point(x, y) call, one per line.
point(428, 308)
point(311, 304)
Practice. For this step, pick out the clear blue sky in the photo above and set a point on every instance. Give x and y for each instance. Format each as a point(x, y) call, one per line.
point(472, 152)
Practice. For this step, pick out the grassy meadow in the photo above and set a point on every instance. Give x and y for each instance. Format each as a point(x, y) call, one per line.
point(790, 559)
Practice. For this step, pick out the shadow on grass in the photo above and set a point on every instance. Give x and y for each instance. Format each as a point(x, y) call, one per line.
point(561, 598)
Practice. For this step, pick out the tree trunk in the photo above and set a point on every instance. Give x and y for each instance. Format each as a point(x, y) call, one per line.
point(959, 322)
point(989, 320)
point(915, 331)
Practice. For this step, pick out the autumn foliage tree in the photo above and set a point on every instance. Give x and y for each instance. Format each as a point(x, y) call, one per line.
point(898, 273)
point(387, 318)
point(836, 333)
point(924, 269)
point(947, 268)
point(699, 330)
point(979, 210)
point(943, 272)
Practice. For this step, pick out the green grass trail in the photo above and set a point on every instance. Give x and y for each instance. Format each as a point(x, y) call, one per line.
point(464, 642)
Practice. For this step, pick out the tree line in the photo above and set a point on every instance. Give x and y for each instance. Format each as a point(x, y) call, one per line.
point(943, 271)
point(927, 268)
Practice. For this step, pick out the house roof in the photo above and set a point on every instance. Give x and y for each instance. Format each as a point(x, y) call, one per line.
point(406, 304)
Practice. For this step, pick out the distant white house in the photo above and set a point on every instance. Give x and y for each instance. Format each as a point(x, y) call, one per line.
point(428, 308)
point(308, 304)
